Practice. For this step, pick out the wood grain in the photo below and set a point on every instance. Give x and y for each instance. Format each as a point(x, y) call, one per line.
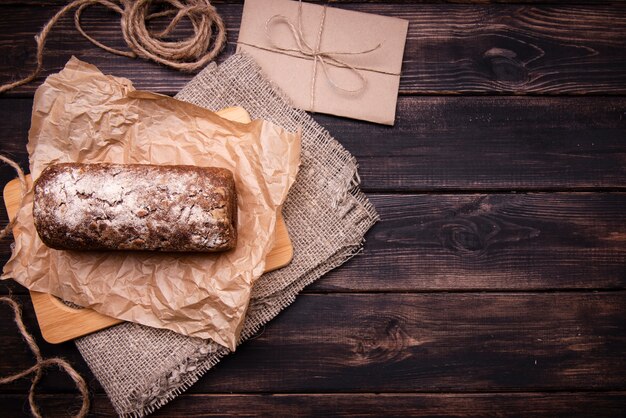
point(491, 143)
point(471, 405)
point(451, 48)
point(444, 242)
point(478, 196)
point(460, 144)
point(16, 356)
point(469, 342)
point(434, 342)
point(489, 242)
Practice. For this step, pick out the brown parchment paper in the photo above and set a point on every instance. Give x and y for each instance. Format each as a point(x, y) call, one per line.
point(343, 31)
point(82, 115)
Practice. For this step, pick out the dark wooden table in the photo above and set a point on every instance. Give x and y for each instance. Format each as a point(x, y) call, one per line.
point(495, 283)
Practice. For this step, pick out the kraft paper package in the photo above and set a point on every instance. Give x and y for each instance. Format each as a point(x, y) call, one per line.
point(326, 59)
point(82, 115)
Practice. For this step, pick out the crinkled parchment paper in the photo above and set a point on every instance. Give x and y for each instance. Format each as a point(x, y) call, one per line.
point(82, 115)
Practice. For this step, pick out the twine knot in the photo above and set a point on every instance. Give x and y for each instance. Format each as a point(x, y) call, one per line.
point(316, 54)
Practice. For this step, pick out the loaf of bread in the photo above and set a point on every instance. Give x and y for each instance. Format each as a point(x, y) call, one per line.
point(136, 207)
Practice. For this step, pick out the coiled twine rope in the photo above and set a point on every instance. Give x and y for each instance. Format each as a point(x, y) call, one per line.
point(190, 54)
point(41, 363)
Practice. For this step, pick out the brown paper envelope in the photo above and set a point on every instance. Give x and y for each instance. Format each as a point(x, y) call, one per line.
point(343, 31)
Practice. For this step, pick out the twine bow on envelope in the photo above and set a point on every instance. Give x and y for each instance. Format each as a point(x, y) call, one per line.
point(323, 57)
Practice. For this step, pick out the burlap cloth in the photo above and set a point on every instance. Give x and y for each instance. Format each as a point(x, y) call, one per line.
point(143, 368)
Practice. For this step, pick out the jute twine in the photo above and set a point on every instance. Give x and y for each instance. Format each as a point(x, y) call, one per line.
point(23, 189)
point(41, 363)
point(316, 54)
point(190, 54)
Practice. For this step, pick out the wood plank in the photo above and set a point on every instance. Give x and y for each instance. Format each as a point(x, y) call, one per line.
point(451, 48)
point(470, 342)
point(514, 143)
point(16, 356)
point(434, 342)
point(490, 143)
point(10, 287)
point(445, 242)
point(459, 144)
point(548, 405)
point(489, 242)
point(514, 49)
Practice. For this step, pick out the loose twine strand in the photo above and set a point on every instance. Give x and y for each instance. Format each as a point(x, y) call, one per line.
point(187, 55)
point(41, 363)
point(323, 57)
point(23, 189)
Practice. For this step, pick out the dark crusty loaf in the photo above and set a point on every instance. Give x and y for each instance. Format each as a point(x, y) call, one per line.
point(136, 207)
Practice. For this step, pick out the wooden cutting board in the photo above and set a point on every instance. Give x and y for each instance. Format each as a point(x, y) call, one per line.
point(59, 322)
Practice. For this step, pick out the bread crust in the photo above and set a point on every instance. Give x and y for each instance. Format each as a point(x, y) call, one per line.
point(136, 207)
